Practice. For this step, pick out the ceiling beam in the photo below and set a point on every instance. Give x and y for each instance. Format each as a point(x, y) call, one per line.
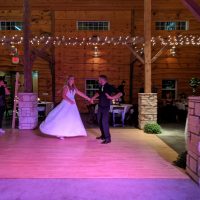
point(74, 4)
point(193, 6)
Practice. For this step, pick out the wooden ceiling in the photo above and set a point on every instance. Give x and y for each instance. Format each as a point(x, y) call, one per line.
point(92, 4)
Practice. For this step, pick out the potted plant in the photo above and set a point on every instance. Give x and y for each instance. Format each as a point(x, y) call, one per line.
point(194, 83)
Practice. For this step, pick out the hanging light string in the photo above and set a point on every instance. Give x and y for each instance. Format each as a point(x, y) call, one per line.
point(63, 40)
point(180, 40)
point(136, 42)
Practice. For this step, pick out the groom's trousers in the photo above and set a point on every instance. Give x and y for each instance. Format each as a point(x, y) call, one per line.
point(103, 121)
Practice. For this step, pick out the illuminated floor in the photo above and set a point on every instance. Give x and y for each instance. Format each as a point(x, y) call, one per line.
point(26, 154)
point(134, 166)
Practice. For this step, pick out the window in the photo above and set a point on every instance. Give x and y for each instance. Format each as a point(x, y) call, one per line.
point(10, 25)
point(91, 86)
point(168, 86)
point(93, 25)
point(170, 26)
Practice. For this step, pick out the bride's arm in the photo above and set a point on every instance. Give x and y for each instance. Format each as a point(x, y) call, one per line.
point(82, 95)
point(64, 96)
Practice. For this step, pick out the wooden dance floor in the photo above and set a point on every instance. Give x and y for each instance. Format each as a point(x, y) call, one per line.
point(132, 154)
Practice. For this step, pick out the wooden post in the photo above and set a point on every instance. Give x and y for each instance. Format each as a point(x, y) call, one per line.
point(131, 79)
point(131, 82)
point(53, 78)
point(147, 47)
point(15, 100)
point(52, 64)
point(147, 101)
point(27, 53)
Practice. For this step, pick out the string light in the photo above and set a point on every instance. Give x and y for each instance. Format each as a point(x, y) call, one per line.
point(136, 42)
point(58, 40)
point(96, 51)
point(173, 51)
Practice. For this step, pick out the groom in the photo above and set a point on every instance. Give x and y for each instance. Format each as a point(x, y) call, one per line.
point(105, 95)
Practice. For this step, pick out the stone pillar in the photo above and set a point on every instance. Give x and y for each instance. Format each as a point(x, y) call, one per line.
point(193, 138)
point(28, 110)
point(147, 108)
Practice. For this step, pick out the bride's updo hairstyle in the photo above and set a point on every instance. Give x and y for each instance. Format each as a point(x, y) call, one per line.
point(71, 87)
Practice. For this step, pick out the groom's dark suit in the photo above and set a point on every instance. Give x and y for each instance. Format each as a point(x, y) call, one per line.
point(103, 110)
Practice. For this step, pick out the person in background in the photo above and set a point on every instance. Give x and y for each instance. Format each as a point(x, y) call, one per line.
point(121, 89)
point(168, 101)
point(169, 109)
point(3, 92)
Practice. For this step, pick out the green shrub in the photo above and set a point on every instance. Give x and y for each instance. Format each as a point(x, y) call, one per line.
point(194, 83)
point(153, 128)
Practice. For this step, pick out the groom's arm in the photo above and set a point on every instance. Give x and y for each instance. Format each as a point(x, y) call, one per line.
point(116, 96)
point(94, 97)
point(115, 92)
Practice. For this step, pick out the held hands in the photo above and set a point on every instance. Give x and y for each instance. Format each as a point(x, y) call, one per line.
point(89, 99)
point(92, 101)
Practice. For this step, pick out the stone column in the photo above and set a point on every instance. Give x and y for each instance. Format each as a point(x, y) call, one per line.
point(193, 138)
point(147, 108)
point(28, 110)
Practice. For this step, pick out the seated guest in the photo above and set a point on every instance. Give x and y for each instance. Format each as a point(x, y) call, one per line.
point(121, 89)
point(169, 110)
point(182, 98)
point(181, 105)
point(168, 100)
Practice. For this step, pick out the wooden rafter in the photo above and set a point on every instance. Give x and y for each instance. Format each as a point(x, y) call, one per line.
point(43, 55)
point(135, 54)
point(159, 53)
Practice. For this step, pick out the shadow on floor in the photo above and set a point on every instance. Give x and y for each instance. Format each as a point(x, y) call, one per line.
point(173, 134)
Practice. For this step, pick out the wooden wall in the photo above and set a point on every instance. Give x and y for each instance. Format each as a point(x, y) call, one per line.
point(80, 61)
point(184, 65)
point(126, 18)
point(41, 23)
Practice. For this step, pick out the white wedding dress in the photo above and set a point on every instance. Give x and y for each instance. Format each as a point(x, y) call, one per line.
point(64, 120)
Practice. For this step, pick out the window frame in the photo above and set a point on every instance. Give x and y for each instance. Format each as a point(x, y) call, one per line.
point(11, 25)
point(92, 25)
point(94, 89)
point(162, 25)
point(169, 89)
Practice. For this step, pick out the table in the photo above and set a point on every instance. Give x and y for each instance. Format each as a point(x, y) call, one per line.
point(181, 105)
point(126, 107)
point(121, 109)
point(45, 107)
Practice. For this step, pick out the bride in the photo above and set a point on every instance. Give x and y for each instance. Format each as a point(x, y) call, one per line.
point(64, 120)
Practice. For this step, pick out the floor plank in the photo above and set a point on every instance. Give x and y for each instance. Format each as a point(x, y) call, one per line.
point(132, 154)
